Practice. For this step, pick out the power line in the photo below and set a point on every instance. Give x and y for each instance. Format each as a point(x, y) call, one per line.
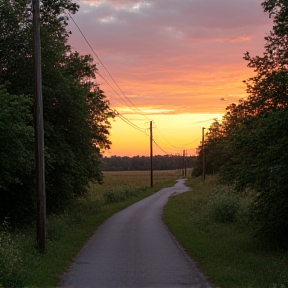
point(123, 118)
point(192, 141)
point(166, 139)
point(117, 113)
point(126, 98)
point(160, 147)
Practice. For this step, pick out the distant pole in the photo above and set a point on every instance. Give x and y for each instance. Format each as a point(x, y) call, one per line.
point(185, 168)
point(151, 153)
point(203, 156)
point(183, 165)
point(39, 130)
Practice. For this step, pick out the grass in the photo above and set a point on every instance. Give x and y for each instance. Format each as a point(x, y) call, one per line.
point(224, 250)
point(21, 265)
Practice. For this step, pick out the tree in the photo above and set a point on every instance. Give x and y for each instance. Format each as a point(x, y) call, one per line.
point(76, 115)
point(16, 156)
point(268, 89)
point(253, 133)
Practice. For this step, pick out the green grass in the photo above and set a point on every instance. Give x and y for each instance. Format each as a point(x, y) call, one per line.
point(225, 252)
point(21, 265)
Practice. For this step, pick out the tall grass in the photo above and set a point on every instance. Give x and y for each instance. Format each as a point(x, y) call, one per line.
point(21, 265)
point(210, 225)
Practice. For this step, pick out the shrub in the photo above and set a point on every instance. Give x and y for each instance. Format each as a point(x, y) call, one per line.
point(115, 196)
point(11, 261)
point(224, 204)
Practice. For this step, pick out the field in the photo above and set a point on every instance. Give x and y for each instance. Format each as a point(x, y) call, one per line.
point(226, 252)
point(117, 181)
point(213, 230)
point(21, 264)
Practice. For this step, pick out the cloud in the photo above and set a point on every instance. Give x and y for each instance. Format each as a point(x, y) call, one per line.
point(171, 54)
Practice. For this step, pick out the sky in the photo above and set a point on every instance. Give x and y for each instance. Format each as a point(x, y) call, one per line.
point(178, 63)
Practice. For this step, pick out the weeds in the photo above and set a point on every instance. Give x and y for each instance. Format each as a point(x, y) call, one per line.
point(21, 265)
point(10, 259)
point(228, 255)
point(224, 204)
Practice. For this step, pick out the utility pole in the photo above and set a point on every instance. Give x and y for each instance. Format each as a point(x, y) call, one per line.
point(39, 130)
point(151, 153)
point(184, 164)
point(203, 156)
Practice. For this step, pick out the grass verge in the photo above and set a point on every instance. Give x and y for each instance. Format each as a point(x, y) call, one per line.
point(225, 251)
point(21, 265)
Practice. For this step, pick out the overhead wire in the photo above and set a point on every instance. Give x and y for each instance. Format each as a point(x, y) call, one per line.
point(123, 118)
point(192, 141)
point(166, 139)
point(160, 147)
point(126, 100)
point(125, 97)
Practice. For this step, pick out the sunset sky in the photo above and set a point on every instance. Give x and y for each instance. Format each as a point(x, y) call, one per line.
point(172, 61)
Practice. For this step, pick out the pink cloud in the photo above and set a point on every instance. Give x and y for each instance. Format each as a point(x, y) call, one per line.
point(166, 52)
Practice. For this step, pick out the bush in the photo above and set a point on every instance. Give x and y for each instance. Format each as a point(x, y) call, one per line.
point(112, 196)
point(11, 260)
point(268, 216)
point(224, 204)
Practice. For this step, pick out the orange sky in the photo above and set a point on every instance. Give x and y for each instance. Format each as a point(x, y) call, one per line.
point(172, 60)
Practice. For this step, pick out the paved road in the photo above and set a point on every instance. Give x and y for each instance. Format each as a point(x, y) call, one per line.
point(134, 248)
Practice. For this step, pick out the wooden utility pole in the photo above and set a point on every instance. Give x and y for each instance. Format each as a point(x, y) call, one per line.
point(39, 130)
point(151, 153)
point(184, 164)
point(203, 156)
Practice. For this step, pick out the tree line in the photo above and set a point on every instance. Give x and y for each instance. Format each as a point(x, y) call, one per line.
point(166, 162)
point(76, 112)
point(249, 147)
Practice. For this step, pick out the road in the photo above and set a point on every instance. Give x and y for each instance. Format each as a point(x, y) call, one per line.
point(134, 248)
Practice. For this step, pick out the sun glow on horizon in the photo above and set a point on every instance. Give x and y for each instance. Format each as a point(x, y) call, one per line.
point(173, 133)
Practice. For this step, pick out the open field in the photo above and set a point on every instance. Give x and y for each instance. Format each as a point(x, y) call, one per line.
point(227, 252)
point(119, 180)
point(21, 265)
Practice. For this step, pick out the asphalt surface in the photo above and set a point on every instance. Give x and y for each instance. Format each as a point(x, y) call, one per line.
point(134, 248)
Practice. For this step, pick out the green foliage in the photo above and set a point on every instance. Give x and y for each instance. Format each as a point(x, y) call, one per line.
point(76, 112)
point(224, 204)
point(21, 264)
point(261, 164)
point(227, 253)
point(137, 163)
point(249, 147)
point(16, 157)
point(118, 196)
point(10, 260)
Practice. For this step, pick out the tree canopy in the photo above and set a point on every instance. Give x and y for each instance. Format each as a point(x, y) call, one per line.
point(249, 148)
point(76, 112)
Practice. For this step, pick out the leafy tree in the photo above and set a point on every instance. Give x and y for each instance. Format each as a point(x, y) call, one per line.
point(251, 141)
point(269, 87)
point(261, 163)
point(16, 156)
point(117, 163)
point(76, 114)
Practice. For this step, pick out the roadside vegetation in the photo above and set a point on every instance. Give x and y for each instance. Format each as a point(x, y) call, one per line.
point(248, 148)
point(235, 225)
point(77, 114)
point(21, 264)
point(213, 227)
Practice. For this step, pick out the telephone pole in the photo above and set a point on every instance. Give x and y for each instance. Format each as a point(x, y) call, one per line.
point(203, 156)
point(184, 164)
point(151, 153)
point(39, 130)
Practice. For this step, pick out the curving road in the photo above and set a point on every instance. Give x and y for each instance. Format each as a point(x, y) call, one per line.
point(134, 248)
